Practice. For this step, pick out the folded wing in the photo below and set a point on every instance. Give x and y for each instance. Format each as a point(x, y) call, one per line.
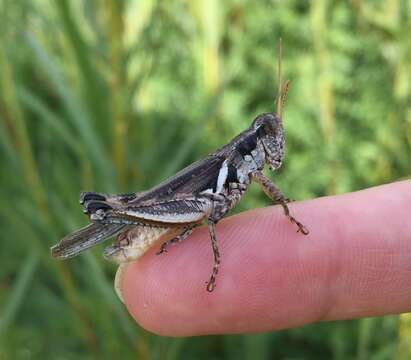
point(172, 201)
point(85, 238)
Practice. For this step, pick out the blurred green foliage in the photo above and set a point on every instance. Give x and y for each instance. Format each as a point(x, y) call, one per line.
point(114, 96)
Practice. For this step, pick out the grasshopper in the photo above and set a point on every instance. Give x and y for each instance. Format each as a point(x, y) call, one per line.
point(205, 191)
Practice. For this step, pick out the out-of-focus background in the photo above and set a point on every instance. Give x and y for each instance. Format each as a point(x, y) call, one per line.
point(115, 96)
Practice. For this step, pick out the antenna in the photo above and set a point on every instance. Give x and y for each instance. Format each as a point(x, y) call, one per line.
point(279, 79)
point(283, 97)
point(282, 89)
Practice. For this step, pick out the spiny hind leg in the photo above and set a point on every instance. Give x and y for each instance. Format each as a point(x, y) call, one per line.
point(275, 194)
point(184, 235)
point(119, 199)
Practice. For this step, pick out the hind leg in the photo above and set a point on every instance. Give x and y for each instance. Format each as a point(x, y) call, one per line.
point(184, 235)
point(119, 199)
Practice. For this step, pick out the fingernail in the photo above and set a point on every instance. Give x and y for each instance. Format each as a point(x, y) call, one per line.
point(118, 280)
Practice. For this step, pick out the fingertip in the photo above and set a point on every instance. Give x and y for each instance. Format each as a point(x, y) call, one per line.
point(118, 280)
point(169, 294)
point(272, 277)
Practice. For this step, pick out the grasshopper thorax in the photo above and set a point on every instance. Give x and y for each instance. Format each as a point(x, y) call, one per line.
point(270, 131)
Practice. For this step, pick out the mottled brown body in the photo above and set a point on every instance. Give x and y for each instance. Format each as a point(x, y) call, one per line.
point(136, 241)
point(203, 192)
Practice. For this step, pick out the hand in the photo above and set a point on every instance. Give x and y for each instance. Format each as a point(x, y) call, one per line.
point(355, 262)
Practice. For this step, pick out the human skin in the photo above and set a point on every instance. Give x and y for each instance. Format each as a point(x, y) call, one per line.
point(355, 262)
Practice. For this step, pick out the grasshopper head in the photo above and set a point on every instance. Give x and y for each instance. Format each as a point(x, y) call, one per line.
point(270, 131)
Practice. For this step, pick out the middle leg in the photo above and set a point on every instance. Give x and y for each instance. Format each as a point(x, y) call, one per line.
point(221, 206)
point(216, 253)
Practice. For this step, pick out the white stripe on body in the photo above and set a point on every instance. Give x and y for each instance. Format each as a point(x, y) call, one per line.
point(222, 177)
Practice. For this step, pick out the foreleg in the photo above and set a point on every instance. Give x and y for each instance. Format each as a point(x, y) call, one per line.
point(276, 195)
